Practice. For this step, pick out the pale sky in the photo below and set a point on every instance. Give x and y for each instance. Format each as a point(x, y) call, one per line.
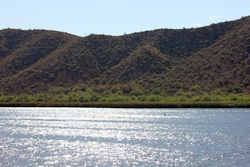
point(116, 17)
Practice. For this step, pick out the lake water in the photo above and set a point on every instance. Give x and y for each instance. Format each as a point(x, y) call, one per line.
point(124, 137)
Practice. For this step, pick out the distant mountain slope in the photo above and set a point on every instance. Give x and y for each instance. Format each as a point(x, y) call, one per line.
point(226, 62)
point(223, 65)
point(216, 56)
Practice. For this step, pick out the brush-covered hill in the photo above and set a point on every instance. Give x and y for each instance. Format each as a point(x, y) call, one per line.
point(213, 57)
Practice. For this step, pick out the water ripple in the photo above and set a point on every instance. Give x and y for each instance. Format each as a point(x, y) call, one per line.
point(124, 137)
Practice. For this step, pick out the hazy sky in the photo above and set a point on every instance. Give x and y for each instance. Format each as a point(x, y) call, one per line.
point(116, 17)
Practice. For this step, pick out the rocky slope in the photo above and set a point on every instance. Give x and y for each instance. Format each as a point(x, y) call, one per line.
point(215, 56)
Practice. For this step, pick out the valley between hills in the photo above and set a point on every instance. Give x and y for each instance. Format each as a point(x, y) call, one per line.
point(207, 64)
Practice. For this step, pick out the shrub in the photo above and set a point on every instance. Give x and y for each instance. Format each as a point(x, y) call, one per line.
point(217, 92)
point(126, 89)
point(206, 98)
point(94, 97)
point(195, 88)
point(156, 91)
point(115, 88)
point(154, 98)
point(237, 89)
point(233, 98)
point(142, 98)
point(117, 98)
point(137, 92)
point(183, 99)
point(7, 99)
point(180, 93)
point(197, 98)
point(85, 97)
point(22, 98)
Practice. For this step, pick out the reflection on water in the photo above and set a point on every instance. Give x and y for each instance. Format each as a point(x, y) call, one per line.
point(124, 137)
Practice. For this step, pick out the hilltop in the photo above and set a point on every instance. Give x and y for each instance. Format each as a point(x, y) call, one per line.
point(163, 61)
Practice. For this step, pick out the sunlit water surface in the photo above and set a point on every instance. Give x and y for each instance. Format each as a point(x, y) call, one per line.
point(124, 137)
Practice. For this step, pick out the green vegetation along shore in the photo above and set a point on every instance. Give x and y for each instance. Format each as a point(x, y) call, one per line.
point(129, 104)
point(94, 98)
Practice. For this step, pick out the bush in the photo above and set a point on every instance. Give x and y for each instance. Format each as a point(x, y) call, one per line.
point(85, 97)
point(42, 98)
point(217, 92)
point(137, 92)
point(206, 98)
point(116, 98)
point(22, 98)
point(7, 98)
point(156, 91)
point(59, 90)
point(236, 89)
point(142, 98)
point(154, 98)
point(233, 98)
point(115, 88)
point(94, 97)
point(126, 89)
point(197, 98)
point(195, 88)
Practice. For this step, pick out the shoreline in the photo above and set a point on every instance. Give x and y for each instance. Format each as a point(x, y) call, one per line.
point(130, 104)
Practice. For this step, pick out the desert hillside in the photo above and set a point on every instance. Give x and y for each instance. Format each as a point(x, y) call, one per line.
point(166, 60)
